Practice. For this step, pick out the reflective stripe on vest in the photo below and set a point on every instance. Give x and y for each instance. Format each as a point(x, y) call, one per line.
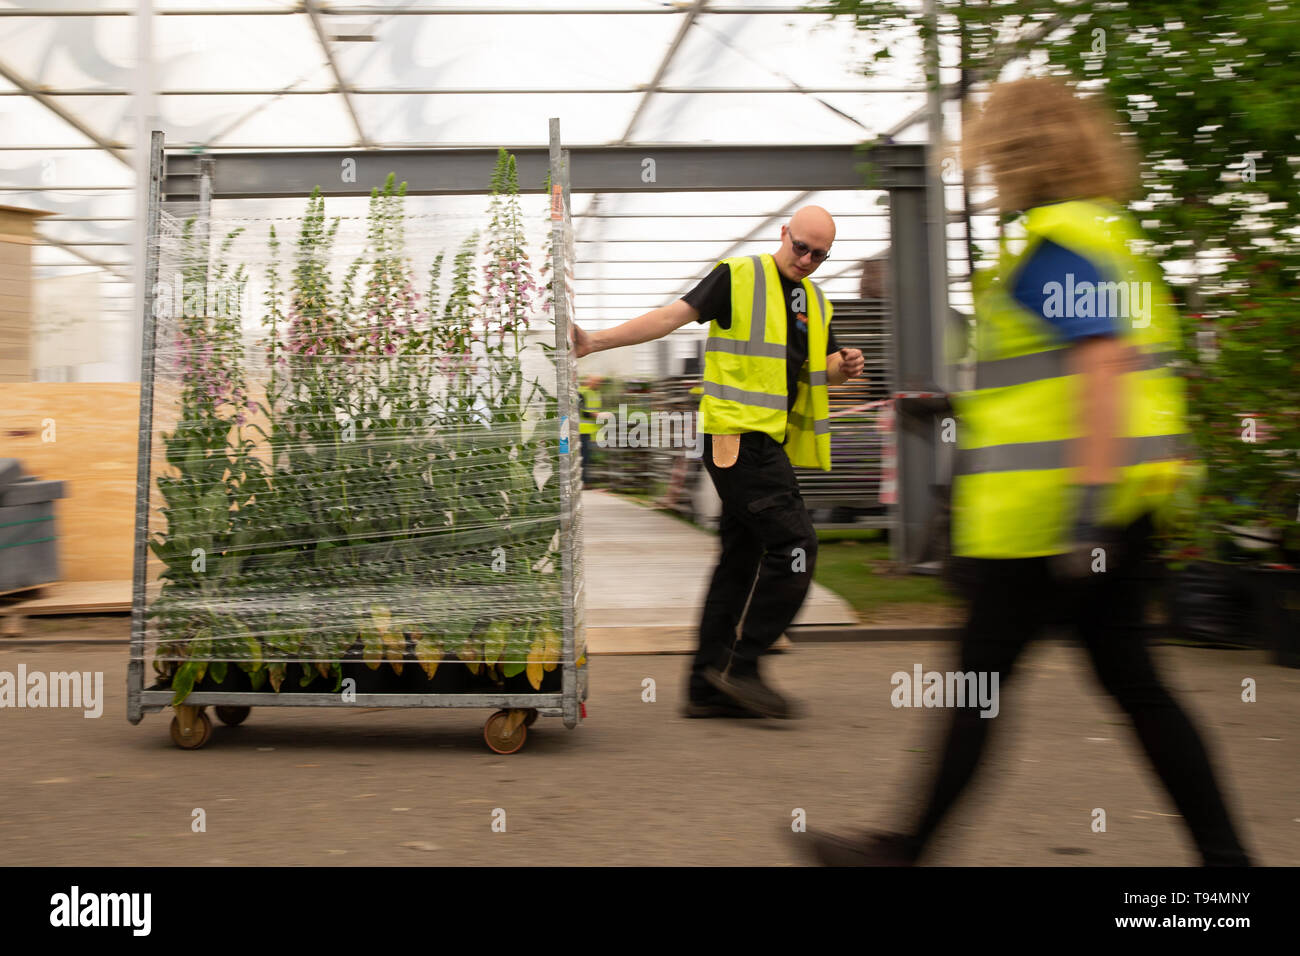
point(1043, 455)
point(733, 394)
point(1000, 373)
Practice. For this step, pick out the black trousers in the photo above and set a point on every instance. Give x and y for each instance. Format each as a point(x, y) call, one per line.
point(769, 548)
point(1012, 601)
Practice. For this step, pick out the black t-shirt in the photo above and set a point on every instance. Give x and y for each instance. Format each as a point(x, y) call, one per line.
point(712, 299)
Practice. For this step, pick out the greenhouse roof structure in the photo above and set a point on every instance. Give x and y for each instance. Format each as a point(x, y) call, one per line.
point(77, 99)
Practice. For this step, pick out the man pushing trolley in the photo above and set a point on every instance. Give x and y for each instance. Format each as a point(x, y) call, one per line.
point(769, 357)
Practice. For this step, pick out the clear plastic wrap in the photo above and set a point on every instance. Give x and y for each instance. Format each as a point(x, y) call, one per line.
point(358, 453)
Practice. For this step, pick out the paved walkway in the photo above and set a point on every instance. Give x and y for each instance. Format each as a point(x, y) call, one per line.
point(648, 573)
point(637, 784)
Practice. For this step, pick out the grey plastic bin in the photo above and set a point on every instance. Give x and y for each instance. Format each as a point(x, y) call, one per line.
point(29, 553)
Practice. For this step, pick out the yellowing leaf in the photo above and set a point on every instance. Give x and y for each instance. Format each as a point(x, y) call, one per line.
point(394, 650)
point(553, 646)
point(535, 669)
point(428, 653)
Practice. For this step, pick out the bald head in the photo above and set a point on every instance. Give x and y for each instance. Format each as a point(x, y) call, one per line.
point(813, 227)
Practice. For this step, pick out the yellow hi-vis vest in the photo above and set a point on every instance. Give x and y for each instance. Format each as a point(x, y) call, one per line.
point(590, 406)
point(745, 365)
point(1012, 494)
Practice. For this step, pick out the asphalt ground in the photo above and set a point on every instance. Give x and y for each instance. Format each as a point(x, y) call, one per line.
point(636, 783)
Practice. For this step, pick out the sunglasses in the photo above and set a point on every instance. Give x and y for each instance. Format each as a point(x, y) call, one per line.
point(802, 249)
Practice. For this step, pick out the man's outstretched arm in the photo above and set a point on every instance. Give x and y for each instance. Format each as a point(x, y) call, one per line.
point(644, 328)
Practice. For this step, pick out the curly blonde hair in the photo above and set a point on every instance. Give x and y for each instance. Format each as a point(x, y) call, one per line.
point(1042, 144)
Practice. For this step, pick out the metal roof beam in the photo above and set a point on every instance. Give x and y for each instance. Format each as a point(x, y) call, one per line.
point(370, 11)
point(656, 80)
point(491, 91)
point(664, 63)
point(594, 169)
point(1000, 57)
point(313, 10)
point(116, 150)
point(110, 267)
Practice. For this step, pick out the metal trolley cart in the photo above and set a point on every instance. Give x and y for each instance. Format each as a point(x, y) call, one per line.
point(506, 729)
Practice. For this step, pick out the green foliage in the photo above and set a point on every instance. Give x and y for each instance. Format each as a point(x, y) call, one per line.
point(402, 441)
point(1207, 93)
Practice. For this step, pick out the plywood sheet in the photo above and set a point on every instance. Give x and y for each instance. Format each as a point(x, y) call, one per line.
point(75, 597)
point(94, 454)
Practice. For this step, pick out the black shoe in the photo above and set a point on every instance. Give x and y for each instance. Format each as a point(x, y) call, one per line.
point(866, 849)
point(718, 706)
point(749, 691)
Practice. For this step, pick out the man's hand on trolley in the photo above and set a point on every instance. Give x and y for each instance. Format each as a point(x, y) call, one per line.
point(582, 344)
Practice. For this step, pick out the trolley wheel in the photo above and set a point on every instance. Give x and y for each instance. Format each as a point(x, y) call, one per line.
point(530, 716)
point(505, 731)
point(200, 731)
point(231, 715)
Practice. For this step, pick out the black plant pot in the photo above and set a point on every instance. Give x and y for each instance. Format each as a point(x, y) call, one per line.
point(450, 677)
point(1209, 604)
point(1276, 593)
point(380, 680)
point(415, 681)
point(453, 677)
point(552, 682)
point(236, 681)
point(292, 675)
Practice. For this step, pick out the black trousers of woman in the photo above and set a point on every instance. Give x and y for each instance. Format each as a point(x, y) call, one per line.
point(1012, 602)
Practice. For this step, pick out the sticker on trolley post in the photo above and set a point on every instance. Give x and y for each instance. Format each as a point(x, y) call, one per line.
point(564, 435)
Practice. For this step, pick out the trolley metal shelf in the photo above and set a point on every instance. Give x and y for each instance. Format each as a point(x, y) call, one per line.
point(505, 730)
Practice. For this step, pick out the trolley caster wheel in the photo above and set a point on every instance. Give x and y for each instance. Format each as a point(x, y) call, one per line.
point(232, 716)
point(192, 732)
point(505, 731)
point(530, 716)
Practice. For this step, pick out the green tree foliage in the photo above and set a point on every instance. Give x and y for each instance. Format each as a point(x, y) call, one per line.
point(1208, 92)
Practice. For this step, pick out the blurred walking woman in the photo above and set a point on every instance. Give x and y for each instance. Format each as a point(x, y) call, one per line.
point(1070, 446)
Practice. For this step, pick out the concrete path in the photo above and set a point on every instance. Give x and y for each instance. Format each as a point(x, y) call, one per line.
point(647, 574)
point(636, 783)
